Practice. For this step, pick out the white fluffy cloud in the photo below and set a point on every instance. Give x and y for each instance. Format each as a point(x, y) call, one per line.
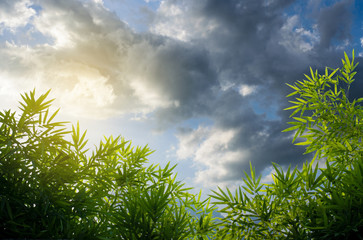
point(95, 64)
point(246, 90)
point(296, 38)
point(180, 20)
point(210, 148)
point(14, 14)
point(73, 66)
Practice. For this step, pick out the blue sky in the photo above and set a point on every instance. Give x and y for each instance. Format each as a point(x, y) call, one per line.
point(201, 82)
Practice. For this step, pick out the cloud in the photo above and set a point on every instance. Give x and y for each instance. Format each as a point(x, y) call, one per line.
point(177, 76)
point(88, 45)
point(75, 67)
point(254, 48)
point(222, 153)
point(14, 14)
point(334, 23)
point(241, 41)
point(209, 147)
point(296, 38)
point(182, 20)
point(246, 90)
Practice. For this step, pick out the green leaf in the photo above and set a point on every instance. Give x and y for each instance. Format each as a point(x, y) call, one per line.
point(300, 119)
point(292, 107)
point(10, 212)
point(303, 143)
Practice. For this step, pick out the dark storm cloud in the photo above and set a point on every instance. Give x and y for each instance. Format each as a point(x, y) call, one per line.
point(255, 43)
point(261, 136)
point(243, 46)
point(356, 90)
point(182, 74)
point(247, 37)
point(334, 22)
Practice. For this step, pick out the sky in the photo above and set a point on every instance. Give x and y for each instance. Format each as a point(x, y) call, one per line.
point(201, 82)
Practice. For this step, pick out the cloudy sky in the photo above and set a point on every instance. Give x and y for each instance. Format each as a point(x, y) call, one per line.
point(201, 81)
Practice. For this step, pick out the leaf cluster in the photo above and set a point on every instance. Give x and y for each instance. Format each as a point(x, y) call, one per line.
point(53, 187)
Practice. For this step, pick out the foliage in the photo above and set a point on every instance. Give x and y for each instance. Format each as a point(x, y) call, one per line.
point(51, 187)
point(313, 202)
